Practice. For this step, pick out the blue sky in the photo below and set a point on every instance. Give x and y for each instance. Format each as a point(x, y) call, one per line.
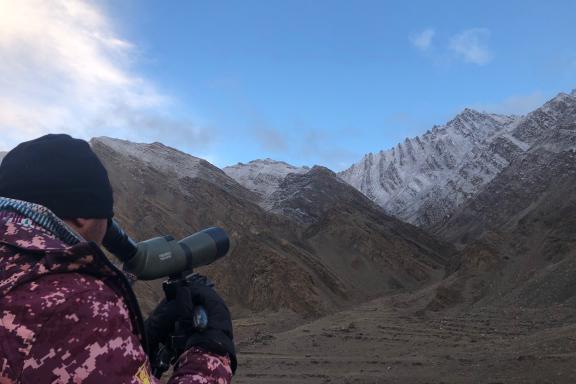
point(323, 82)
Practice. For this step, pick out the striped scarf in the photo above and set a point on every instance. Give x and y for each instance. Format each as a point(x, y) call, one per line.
point(43, 217)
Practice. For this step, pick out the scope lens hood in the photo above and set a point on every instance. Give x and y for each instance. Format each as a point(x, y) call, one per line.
point(220, 238)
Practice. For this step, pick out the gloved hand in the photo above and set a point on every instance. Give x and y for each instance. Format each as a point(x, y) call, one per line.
point(159, 325)
point(177, 317)
point(218, 337)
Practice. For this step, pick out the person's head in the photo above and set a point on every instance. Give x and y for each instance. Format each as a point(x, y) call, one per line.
point(64, 175)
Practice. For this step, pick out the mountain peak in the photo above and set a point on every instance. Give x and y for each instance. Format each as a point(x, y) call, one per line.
point(471, 111)
point(556, 105)
point(273, 162)
point(156, 153)
point(474, 115)
point(423, 179)
point(160, 156)
point(262, 176)
point(319, 169)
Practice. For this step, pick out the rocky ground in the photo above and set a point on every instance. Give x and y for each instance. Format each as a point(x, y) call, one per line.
point(386, 342)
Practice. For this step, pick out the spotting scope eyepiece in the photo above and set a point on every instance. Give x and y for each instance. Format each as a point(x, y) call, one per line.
point(117, 242)
point(163, 256)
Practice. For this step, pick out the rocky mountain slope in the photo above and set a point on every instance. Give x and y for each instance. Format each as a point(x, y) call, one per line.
point(273, 264)
point(262, 176)
point(357, 233)
point(544, 170)
point(425, 179)
point(518, 234)
point(152, 199)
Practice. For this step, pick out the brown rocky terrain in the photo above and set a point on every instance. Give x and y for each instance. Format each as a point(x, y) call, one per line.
point(274, 262)
point(358, 233)
point(519, 234)
point(152, 202)
point(390, 341)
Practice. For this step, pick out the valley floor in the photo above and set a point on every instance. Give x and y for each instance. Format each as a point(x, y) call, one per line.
point(381, 342)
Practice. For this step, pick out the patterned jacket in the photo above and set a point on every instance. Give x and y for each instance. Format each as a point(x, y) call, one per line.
point(68, 315)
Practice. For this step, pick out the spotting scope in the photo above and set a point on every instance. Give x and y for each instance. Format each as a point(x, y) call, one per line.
point(164, 256)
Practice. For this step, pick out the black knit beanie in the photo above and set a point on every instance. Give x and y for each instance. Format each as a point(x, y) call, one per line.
point(61, 173)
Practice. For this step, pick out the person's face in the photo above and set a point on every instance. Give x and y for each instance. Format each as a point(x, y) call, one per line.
point(90, 229)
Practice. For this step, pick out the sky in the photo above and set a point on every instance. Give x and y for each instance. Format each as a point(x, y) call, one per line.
point(303, 81)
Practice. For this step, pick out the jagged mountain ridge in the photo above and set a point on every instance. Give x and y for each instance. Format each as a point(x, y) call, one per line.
point(424, 179)
point(519, 233)
point(536, 124)
point(550, 129)
point(420, 180)
point(175, 164)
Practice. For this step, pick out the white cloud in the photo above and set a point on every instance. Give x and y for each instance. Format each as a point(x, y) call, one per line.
point(471, 46)
point(423, 40)
point(65, 69)
point(515, 105)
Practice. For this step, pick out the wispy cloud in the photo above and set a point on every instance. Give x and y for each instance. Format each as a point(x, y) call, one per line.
point(515, 105)
point(269, 138)
point(64, 68)
point(423, 40)
point(471, 45)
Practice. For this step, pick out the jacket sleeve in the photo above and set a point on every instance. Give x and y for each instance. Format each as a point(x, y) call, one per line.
point(197, 366)
point(79, 330)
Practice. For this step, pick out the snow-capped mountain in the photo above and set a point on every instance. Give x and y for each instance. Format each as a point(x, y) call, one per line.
point(424, 179)
point(539, 122)
point(262, 176)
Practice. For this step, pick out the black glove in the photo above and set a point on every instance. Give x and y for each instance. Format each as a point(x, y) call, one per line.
point(173, 319)
point(159, 326)
point(218, 336)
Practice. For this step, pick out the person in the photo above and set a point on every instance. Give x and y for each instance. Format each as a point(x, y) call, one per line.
point(67, 314)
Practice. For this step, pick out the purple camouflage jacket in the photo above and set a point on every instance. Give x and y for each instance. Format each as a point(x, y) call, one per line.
point(68, 315)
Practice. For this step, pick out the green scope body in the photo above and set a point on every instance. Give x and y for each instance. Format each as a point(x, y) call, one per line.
point(164, 256)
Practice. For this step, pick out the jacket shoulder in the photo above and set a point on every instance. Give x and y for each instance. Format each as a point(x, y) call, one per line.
point(68, 327)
